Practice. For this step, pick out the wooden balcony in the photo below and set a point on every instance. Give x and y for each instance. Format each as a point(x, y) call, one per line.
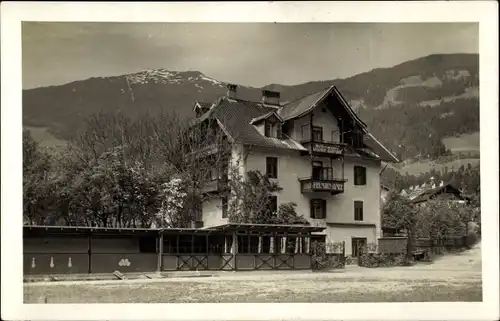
point(323, 148)
point(211, 149)
point(333, 186)
point(214, 186)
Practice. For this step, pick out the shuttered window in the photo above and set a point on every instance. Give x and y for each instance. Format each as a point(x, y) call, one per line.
point(272, 167)
point(358, 210)
point(359, 175)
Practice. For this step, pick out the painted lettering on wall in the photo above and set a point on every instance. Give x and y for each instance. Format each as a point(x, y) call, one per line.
point(33, 263)
point(51, 262)
point(69, 262)
point(124, 262)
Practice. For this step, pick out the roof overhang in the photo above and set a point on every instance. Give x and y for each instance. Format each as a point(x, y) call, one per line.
point(247, 227)
point(34, 230)
point(256, 120)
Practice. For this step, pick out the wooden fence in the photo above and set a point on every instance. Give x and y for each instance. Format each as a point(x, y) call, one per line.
point(71, 250)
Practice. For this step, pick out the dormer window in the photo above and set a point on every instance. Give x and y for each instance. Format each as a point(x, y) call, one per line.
point(269, 124)
point(273, 129)
point(317, 134)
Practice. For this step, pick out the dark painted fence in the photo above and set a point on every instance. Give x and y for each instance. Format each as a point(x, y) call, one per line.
point(394, 245)
point(86, 250)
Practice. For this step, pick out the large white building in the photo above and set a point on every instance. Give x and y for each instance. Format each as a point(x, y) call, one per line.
point(318, 150)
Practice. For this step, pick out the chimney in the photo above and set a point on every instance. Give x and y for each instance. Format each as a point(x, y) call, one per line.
point(270, 97)
point(231, 91)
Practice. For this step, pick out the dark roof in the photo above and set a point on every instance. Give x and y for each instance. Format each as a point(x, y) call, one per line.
point(427, 193)
point(379, 149)
point(203, 104)
point(265, 116)
point(302, 106)
point(236, 116)
point(267, 227)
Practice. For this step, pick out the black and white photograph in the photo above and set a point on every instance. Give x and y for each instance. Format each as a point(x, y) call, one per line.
point(210, 161)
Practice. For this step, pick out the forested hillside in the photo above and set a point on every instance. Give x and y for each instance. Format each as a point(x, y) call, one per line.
point(410, 107)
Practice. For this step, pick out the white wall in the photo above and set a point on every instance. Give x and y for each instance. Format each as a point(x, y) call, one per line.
point(292, 166)
point(212, 212)
point(345, 234)
point(212, 208)
point(325, 119)
point(369, 194)
point(340, 208)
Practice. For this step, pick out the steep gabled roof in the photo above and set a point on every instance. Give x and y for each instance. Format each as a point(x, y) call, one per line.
point(425, 194)
point(236, 116)
point(304, 105)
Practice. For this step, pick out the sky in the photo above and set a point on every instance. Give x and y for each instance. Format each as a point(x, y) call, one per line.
point(252, 54)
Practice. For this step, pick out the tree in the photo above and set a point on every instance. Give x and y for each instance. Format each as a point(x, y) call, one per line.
point(251, 201)
point(172, 202)
point(399, 214)
point(37, 183)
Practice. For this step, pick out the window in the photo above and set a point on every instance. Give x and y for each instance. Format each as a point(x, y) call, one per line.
point(273, 204)
point(273, 128)
point(272, 167)
point(279, 131)
point(358, 140)
point(317, 134)
point(318, 209)
point(358, 210)
point(359, 175)
point(317, 170)
point(268, 128)
point(224, 207)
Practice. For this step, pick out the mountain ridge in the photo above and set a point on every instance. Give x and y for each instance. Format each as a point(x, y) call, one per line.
point(442, 87)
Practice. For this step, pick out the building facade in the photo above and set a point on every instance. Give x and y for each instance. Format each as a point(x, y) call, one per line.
point(318, 151)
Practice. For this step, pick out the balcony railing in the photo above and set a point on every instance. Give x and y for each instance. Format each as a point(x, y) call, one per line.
point(324, 148)
point(311, 185)
point(214, 186)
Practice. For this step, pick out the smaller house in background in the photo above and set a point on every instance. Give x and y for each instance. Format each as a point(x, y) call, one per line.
point(419, 195)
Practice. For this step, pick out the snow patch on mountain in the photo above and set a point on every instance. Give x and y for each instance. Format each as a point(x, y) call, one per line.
point(162, 76)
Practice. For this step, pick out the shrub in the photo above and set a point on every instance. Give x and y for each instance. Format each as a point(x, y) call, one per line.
point(321, 260)
point(373, 260)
